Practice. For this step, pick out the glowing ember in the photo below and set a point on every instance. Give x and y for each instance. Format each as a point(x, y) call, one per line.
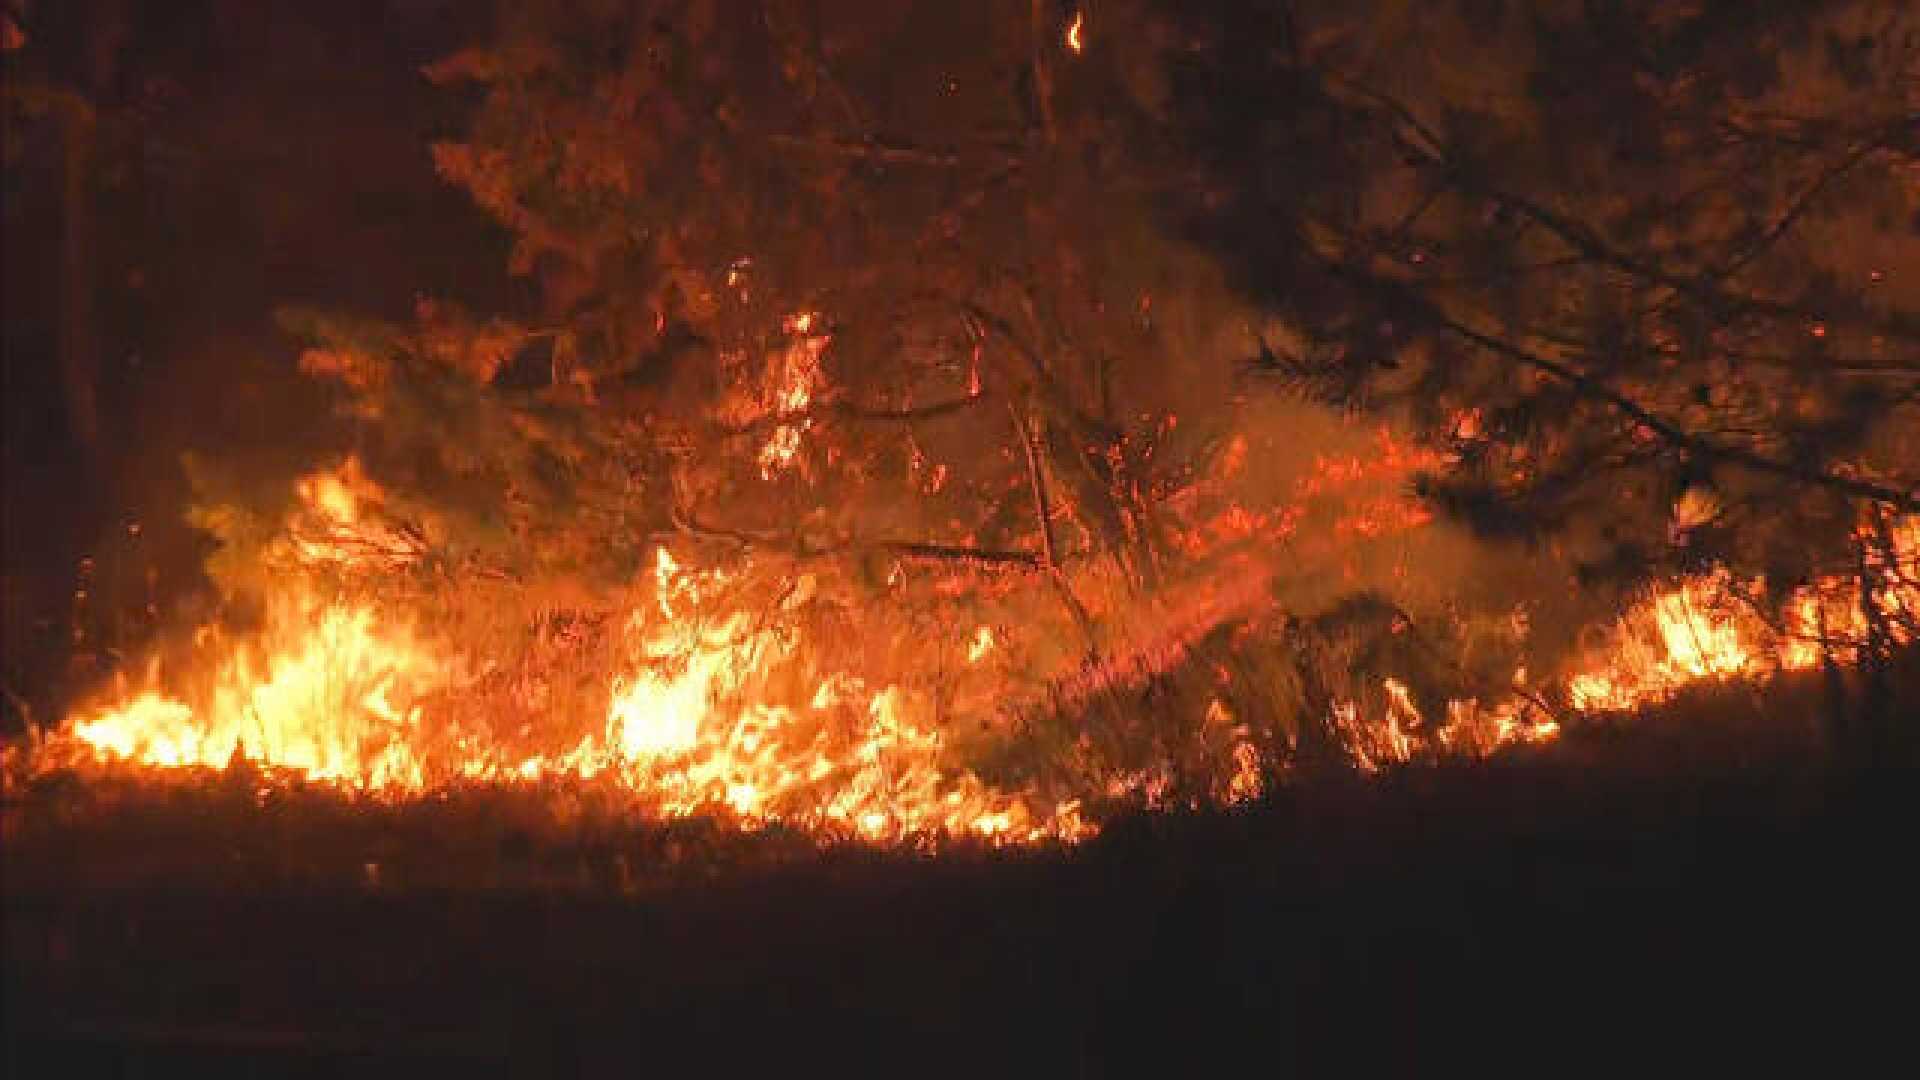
point(981, 645)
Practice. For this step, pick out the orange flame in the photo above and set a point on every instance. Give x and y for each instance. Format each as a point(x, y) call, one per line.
point(1700, 630)
point(795, 376)
point(700, 714)
point(332, 697)
point(333, 691)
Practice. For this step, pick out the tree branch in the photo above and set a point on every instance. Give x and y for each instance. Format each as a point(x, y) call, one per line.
point(1797, 209)
point(905, 549)
point(1044, 513)
point(873, 149)
point(1428, 150)
point(1674, 436)
point(1091, 427)
point(849, 411)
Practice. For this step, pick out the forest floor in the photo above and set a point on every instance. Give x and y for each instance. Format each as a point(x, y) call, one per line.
point(1649, 896)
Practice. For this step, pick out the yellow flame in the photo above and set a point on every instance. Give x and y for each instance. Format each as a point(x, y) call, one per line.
point(981, 645)
point(341, 690)
point(1076, 31)
point(320, 701)
point(332, 691)
point(1701, 630)
point(795, 375)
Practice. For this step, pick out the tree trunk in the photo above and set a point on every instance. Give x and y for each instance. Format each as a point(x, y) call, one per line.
point(79, 348)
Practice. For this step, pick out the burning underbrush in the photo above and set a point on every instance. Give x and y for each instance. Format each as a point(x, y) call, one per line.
point(1171, 636)
point(741, 695)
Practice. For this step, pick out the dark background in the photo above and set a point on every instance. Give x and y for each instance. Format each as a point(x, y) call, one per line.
point(246, 155)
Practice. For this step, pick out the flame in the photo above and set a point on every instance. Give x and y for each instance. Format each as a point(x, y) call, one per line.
point(795, 376)
point(332, 698)
point(1076, 40)
point(685, 730)
point(1702, 630)
point(981, 645)
point(333, 691)
point(709, 705)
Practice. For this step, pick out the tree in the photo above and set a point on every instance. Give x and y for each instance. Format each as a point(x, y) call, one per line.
point(75, 99)
point(913, 335)
point(1646, 268)
point(688, 185)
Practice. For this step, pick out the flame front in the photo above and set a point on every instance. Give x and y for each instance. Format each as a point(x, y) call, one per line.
point(1703, 629)
point(335, 699)
point(338, 689)
point(330, 691)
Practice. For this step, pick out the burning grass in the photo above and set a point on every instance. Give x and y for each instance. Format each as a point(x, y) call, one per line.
point(248, 828)
point(908, 692)
point(705, 699)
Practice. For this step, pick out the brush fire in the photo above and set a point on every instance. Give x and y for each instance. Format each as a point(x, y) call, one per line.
point(981, 452)
point(1056, 537)
point(706, 702)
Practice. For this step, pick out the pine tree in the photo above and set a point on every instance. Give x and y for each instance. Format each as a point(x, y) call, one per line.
point(1646, 269)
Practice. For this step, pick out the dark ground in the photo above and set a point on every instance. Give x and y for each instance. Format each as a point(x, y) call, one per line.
point(1606, 904)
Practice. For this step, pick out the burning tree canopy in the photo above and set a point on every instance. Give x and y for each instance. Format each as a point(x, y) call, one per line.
point(894, 445)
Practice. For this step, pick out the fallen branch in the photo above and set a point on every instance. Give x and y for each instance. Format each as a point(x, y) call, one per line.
point(849, 411)
point(906, 549)
point(884, 153)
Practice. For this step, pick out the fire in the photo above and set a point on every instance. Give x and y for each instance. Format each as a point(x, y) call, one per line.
point(688, 730)
point(1075, 32)
point(1702, 630)
point(332, 696)
point(333, 691)
point(1675, 638)
point(795, 377)
point(714, 704)
point(981, 645)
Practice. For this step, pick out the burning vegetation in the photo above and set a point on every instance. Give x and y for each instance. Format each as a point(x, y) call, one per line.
point(707, 696)
point(1113, 536)
point(976, 455)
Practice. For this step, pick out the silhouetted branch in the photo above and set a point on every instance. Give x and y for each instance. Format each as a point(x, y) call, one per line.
point(1667, 432)
point(1798, 208)
point(905, 549)
point(849, 411)
point(1044, 512)
point(1091, 427)
point(886, 153)
point(1427, 149)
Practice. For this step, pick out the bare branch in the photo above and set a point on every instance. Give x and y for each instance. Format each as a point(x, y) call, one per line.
point(905, 549)
point(1093, 428)
point(873, 149)
point(1427, 149)
point(849, 411)
point(1797, 208)
point(1667, 432)
point(1044, 512)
